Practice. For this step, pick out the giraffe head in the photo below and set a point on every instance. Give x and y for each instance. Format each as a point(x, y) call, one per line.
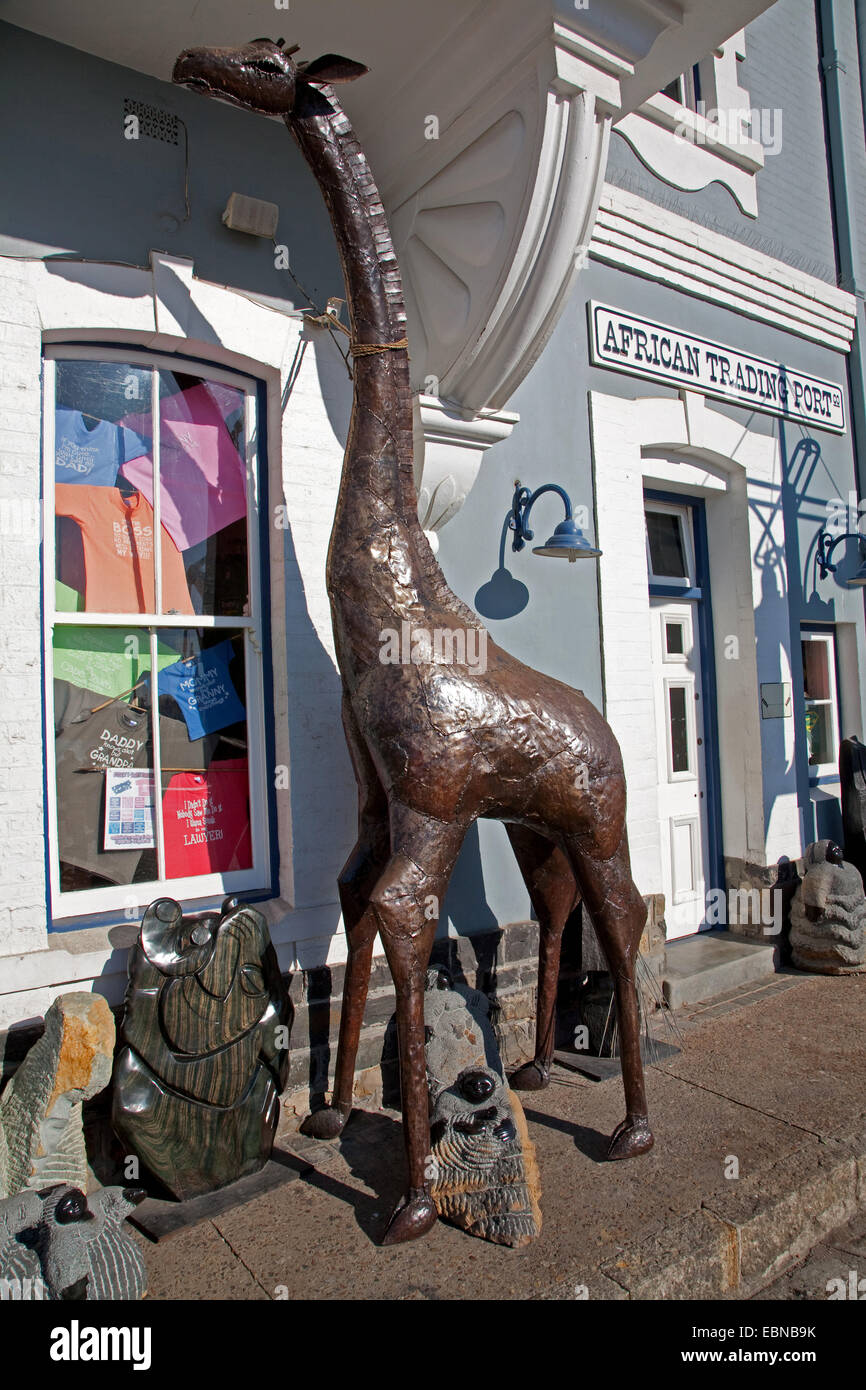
point(260, 75)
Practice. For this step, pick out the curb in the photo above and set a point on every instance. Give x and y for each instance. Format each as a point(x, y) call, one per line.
point(740, 1240)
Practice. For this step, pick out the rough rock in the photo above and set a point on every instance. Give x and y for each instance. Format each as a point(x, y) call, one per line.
point(484, 1176)
point(828, 914)
point(41, 1138)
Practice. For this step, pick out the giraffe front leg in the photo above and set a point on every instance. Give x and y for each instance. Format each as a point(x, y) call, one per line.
point(407, 901)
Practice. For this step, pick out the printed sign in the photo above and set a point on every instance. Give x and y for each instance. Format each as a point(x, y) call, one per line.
point(128, 808)
point(653, 350)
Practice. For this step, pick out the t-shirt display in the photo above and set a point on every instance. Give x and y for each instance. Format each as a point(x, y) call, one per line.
point(206, 819)
point(117, 735)
point(117, 536)
point(107, 659)
point(90, 450)
point(203, 478)
point(86, 744)
point(203, 688)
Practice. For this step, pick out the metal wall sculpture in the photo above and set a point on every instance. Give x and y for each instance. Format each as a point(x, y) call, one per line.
point(197, 1082)
point(440, 741)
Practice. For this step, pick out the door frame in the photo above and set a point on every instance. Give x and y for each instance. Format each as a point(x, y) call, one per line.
point(706, 655)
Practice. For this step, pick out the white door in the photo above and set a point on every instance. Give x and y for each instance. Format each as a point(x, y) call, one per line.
point(681, 763)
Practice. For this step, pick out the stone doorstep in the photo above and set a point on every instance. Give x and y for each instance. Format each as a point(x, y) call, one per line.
point(741, 1240)
point(712, 963)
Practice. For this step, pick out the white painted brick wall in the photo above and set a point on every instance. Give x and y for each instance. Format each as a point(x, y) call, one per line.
point(22, 863)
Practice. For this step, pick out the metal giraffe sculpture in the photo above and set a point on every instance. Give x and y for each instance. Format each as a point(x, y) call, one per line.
point(435, 744)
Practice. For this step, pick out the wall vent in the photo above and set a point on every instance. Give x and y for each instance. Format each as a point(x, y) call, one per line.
point(153, 121)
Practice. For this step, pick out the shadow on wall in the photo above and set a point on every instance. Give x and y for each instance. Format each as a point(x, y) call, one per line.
point(83, 187)
point(502, 596)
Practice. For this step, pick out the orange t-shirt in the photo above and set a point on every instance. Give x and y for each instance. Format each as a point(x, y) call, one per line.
point(117, 539)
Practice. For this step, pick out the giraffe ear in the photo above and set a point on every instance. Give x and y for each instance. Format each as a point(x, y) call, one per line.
point(332, 68)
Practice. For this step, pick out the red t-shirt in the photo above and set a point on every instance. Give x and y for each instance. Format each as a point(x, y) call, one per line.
point(117, 539)
point(206, 820)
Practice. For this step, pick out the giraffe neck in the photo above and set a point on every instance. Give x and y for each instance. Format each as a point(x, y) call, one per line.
point(380, 567)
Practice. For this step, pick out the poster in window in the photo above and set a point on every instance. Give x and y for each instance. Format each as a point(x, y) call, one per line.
point(128, 808)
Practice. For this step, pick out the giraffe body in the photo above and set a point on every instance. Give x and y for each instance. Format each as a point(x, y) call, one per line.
point(435, 743)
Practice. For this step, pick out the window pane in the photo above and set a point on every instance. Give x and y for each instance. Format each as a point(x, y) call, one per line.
point(679, 728)
point(103, 820)
point(104, 540)
point(103, 722)
point(674, 639)
point(667, 552)
point(819, 734)
point(203, 495)
point(203, 744)
point(816, 670)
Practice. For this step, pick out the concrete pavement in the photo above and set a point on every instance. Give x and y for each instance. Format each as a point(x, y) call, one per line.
point(760, 1153)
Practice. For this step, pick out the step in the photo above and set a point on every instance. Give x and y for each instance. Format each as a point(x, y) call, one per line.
point(702, 966)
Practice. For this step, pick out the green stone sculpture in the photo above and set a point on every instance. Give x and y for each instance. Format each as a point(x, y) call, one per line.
point(205, 1046)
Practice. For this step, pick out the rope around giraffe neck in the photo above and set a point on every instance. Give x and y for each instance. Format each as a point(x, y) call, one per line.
point(365, 349)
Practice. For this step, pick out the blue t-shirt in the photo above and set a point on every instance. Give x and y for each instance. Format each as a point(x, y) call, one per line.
point(82, 455)
point(203, 688)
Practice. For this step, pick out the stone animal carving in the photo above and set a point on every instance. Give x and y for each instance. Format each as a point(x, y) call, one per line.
point(61, 1245)
point(41, 1136)
point(852, 776)
point(446, 738)
point(197, 1082)
point(484, 1176)
point(828, 915)
point(20, 1270)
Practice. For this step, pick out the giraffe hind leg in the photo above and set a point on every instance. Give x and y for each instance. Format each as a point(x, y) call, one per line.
point(356, 881)
point(619, 915)
point(554, 894)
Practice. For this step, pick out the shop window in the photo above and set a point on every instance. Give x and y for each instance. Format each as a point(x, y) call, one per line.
point(820, 698)
point(153, 640)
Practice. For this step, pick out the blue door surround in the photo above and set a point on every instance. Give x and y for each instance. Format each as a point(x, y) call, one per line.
point(709, 716)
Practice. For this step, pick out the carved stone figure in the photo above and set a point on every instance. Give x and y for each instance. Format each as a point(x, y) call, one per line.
point(61, 1245)
point(197, 1083)
point(20, 1270)
point(41, 1138)
point(461, 730)
point(484, 1176)
point(828, 914)
point(852, 776)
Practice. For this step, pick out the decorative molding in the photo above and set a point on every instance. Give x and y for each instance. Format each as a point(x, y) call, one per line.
point(639, 236)
point(686, 149)
point(449, 446)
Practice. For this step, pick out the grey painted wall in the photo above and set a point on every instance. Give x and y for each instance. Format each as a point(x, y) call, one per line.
point(80, 187)
point(794, 223)
point(558, 629)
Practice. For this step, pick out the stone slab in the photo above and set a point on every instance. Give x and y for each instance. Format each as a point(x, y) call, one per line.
point(609, 1068)
point(700, 967)
point(159, 1220)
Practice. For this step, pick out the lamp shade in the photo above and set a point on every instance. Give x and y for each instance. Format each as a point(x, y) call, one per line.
point(858, 580)
point(569, 543)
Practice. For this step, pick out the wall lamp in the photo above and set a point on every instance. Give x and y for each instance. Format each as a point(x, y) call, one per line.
point(567, 542)
point(827, 544)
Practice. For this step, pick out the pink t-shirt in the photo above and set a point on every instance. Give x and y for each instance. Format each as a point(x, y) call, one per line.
point(206, 820)
point(204, 485)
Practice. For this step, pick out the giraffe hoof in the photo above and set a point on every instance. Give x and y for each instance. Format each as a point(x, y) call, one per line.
point(534, 1076)
point(326, 1123)
point(631, 1137)
point(413, 1217)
